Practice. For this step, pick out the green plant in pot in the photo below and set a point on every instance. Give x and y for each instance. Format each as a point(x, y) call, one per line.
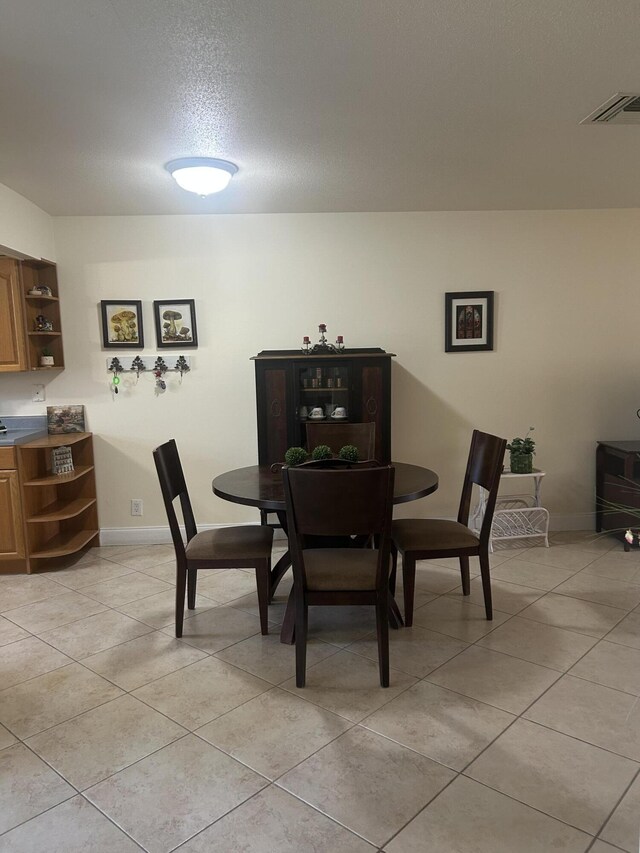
point(322, 451)
point(295, 456)
point(348, 452)
point(46, 358)
point(522, 450)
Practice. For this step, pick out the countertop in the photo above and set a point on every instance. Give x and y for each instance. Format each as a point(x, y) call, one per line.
point(21, 429)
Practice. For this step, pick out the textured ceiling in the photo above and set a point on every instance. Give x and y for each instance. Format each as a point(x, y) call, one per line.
point(340, 105)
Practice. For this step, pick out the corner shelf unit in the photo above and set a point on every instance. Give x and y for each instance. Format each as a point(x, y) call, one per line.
point(60, 510)
point(39, 272)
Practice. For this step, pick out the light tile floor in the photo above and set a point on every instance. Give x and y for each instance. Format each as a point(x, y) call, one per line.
point(514, 736)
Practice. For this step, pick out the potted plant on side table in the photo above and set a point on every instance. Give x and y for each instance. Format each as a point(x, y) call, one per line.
point(522, 450)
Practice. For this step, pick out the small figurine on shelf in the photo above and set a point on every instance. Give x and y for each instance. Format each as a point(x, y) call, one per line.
point(62, 460)
point(42, 324)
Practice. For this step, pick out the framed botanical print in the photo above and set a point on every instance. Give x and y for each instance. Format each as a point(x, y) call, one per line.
point(468, 319)
point(175, 323)
point(122, 324)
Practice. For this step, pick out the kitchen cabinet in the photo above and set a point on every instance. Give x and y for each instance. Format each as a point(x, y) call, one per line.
point(28, 293)
point(11, 522)
point(13, 355)
point(290, 384)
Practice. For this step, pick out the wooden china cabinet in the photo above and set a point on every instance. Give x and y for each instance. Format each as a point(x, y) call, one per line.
point(290, 385)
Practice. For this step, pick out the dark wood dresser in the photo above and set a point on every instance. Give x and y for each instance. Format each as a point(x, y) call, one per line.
point(618, 487)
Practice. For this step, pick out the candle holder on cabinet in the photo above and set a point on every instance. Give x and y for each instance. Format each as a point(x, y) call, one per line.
point(323, 347)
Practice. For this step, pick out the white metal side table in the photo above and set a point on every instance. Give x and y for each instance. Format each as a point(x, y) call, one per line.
point(516, 516)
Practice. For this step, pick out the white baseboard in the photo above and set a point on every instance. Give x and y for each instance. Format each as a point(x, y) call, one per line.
point(162, 536)
point(153, 535)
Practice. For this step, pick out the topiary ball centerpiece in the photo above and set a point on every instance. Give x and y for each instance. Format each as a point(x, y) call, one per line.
point(295, 456)
point(349, 453)
point(322, 451)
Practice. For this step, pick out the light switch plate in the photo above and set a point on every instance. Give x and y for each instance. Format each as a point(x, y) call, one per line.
point(38, 394)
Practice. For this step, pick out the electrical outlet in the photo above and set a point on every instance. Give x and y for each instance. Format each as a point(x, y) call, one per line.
point(38, 394)
point(136, 506)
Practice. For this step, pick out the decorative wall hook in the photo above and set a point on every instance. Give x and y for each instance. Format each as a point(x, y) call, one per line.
point(128, 364)
point(138, 366)
point(181, 366)
point(115, 368)
point(159, 369)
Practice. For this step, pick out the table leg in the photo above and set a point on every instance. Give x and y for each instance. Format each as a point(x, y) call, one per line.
point(278, 572)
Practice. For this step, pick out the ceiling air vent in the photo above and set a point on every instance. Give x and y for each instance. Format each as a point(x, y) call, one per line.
point(621, 108)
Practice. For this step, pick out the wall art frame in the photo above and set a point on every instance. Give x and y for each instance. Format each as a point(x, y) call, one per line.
point(122, 326)
point(175, 321)
point(468, 321)
point(62, 420)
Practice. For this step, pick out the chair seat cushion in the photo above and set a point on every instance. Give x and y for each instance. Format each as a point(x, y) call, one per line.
point(432, 534)
point(340, 568)
point(246, 542)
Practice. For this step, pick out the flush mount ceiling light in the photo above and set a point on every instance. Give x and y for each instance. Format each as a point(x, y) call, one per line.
point(201, 175)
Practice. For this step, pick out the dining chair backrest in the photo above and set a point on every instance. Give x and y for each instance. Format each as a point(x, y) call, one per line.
point(360, 435)
point(328, 502)
point(339, 464)
point(484, 467)
point(173, 485)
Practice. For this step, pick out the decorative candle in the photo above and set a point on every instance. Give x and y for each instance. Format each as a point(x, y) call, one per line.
point(339, 339)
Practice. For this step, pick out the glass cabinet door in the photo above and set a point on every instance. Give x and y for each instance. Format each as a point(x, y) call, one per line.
point(322, 392)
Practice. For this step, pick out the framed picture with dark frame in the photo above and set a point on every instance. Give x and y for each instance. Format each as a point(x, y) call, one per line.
point(175, 323)
point(122, 324)
point(468, 321)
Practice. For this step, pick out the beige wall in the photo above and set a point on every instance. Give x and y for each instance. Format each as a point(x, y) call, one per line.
point(567, 303)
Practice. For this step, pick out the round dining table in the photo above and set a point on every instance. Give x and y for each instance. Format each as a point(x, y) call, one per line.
point(261, 486)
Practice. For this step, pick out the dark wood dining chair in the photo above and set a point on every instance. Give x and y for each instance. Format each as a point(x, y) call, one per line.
point(326, 502)
point(433, 538)
point(360, 435)
point(240, 547)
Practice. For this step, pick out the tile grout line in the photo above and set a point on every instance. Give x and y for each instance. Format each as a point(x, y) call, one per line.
point(516, 718)
point(353, 725)
point(622, 796)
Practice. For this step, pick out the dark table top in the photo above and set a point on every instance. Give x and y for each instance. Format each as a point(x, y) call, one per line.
point(258, 486)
